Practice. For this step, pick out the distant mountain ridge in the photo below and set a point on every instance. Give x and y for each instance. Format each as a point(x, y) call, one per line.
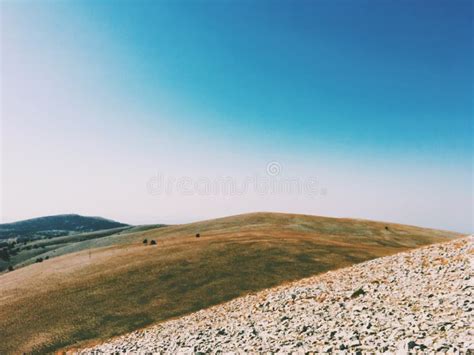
point(56, 225)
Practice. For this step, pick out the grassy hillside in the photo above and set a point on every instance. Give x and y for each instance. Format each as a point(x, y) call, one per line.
point(24, 241)
point(27, 252)
point(94, 294)
point(19, 254)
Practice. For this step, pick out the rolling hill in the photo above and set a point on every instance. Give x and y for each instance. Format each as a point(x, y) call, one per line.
point(91, 295)
point(55, 225)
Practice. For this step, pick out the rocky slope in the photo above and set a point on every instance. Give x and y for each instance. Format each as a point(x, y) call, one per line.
point(419, 301)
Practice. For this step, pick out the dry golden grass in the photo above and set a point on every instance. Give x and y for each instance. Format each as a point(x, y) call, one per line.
point(88, 296)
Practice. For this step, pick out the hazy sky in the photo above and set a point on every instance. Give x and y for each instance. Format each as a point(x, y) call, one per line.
point(104, 103)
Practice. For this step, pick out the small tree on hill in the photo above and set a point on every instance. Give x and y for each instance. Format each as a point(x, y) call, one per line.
point(153, 242)
point(145, 241)
point(10, 268)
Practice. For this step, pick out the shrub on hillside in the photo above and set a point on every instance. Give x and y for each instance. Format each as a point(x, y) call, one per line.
point(145, 241)
point(153, 242)
point(39, 260)
point(4, 254)
point(10, 268)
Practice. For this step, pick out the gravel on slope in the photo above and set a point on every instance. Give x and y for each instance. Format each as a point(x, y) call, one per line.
point(418, 301)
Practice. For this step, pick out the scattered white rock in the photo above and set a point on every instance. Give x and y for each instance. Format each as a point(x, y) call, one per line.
point(415, 302)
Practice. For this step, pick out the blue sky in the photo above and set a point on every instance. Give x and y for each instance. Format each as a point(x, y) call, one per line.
point(374, 98)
